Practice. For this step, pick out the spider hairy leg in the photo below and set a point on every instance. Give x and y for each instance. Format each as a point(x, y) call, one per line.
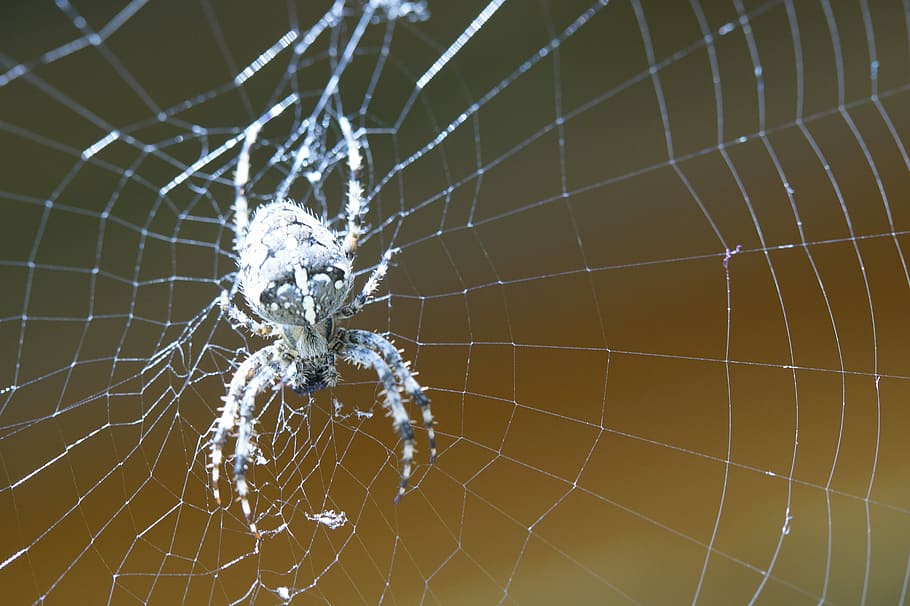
point(241, 178)
point(241, 320)
point(242, 173)
point(354, 208)
point(402, 371)
point(372, 283)
point(362, 356)
point(229, 415)
point(253, 376)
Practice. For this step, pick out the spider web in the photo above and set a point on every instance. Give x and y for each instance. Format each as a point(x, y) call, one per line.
point(652, 273)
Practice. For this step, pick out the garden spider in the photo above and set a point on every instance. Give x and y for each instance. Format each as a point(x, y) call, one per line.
point(296, 276)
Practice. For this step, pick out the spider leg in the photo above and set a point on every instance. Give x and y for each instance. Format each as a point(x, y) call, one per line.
point(369, 287)
point(230, 413)
point(354, 209)
point(257, 385)
point(241, 320)
point(392, 357)
point(242, 174)
point(241, 179)
point(363, 356)
point(252, 378)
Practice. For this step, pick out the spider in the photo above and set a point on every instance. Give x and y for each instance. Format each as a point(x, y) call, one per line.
point(296, 276)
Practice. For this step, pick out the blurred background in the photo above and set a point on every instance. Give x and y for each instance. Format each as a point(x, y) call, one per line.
point(652, 274)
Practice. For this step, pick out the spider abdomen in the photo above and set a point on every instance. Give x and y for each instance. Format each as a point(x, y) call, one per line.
point(293, 270)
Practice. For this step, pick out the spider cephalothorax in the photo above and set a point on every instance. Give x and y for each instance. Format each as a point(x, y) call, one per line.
point(297, 276)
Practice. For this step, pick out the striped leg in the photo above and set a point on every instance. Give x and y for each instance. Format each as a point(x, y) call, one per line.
point(361, 356)
point(403, 373)
point(252, 378)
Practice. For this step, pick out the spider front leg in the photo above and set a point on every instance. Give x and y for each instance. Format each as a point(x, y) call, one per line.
point(361, 356)
point(401, 369)
point(253, 376)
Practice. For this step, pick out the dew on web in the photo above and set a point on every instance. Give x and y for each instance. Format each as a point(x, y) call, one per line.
point(651, 273)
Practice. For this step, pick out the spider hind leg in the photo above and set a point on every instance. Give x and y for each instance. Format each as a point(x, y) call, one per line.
point(354, 208)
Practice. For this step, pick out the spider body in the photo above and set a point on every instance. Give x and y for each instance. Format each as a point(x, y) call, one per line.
point(293, 272)
point(297, 277)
